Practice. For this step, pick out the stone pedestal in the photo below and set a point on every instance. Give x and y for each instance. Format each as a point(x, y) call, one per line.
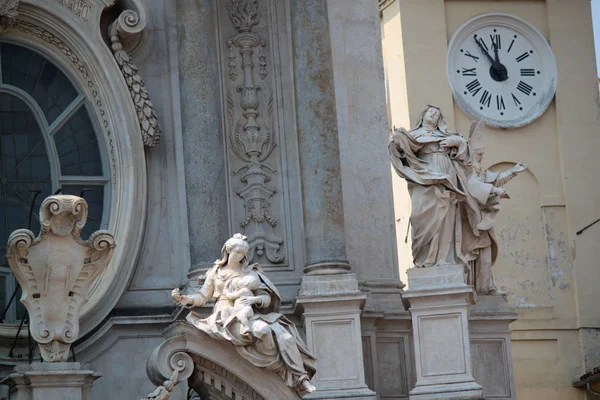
point(439, 306)
point(51, 381)
point(491, 351)
point(332, 305)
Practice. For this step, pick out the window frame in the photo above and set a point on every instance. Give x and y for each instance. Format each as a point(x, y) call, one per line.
point(47, 131)
point(76, 47)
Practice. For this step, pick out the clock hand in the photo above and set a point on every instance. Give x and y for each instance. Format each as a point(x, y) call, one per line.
point(484, 51)
point(500, 68)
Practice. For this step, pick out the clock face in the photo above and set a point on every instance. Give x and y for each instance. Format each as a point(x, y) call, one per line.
point(501, 70)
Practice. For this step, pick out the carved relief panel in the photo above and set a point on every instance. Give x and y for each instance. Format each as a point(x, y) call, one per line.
point(258, 108)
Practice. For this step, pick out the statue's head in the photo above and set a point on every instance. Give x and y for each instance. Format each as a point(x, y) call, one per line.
point(235, 248)
point(432, 116)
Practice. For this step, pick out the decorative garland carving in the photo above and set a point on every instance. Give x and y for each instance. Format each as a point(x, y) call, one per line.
point(8, 13)
point(131, 23)
point(251, 140)
point(53, 40)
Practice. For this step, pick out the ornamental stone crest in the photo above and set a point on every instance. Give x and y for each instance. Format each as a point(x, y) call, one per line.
point(55, 271)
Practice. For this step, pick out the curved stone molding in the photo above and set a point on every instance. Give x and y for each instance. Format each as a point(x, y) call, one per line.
point(125, 34)
point(86, 60)
point(8, 13)
point(215, 365)
point(55, 271)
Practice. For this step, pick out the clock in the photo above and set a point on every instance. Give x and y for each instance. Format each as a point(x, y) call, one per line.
point(501, 70)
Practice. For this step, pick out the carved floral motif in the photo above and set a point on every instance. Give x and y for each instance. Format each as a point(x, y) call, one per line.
point(55, 271)
point(252, 139)
point(243, 14)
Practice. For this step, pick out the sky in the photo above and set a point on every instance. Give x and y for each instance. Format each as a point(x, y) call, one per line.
point(596, 19)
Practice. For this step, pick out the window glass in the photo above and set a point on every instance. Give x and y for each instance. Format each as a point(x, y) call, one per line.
point(38, 77)
point(77, 146)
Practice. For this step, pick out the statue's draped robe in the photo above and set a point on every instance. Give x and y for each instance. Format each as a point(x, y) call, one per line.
point(445, 214)
point(280, 350)
point(480, 187)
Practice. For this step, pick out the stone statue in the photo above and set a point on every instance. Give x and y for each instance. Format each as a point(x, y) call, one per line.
point(246, 315)
point(454, 203)
point(55, 271)
point(487, 187)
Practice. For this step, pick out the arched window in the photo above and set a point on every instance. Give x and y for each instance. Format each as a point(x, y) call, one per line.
point(47, 142)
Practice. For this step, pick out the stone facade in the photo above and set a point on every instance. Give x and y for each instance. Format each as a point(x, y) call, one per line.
point(268, 117)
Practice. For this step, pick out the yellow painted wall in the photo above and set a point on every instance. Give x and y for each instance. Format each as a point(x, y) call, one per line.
point(551, 275)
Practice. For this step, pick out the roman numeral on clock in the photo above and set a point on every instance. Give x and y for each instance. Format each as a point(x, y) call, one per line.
point(522, 57)
point(516, 101)
point(468, 72)
point(525, 88)
point(486, 98)
point(496, 40)
point(500, 102)
point(474, 86)
point(475, 58)
point(511, 45)
point(527, 72)
point(483, 44)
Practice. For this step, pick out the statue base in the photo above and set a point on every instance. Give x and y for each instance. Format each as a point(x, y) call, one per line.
point(331, 307)
point(51, 381)
point(491, 346)
point(439, 306)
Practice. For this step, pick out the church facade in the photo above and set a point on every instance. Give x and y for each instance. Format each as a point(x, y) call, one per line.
point(182, 123)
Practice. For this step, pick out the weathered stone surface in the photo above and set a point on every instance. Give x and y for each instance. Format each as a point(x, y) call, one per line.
point(51, 381)
point(317, 134)
point(203, 141)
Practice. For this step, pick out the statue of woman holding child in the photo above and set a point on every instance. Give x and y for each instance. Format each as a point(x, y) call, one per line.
point(246, 314)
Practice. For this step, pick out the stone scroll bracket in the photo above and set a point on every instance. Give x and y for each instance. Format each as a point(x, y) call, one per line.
point(210, 365)
point(126, 33)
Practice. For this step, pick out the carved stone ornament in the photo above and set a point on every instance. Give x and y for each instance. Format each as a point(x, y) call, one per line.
point(8, 13)
point(251, 139)
point(55, 271)
point(163, 392)
point(125, 34)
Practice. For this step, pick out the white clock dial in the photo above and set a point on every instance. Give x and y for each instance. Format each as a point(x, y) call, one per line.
point(501, 69)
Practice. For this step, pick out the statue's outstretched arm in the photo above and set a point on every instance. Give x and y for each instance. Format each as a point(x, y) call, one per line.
point(201, 296)
point(506, 176)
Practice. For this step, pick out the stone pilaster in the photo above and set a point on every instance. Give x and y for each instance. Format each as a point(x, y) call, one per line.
point(318, 139)
point(329, 296)
point(203, 141)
